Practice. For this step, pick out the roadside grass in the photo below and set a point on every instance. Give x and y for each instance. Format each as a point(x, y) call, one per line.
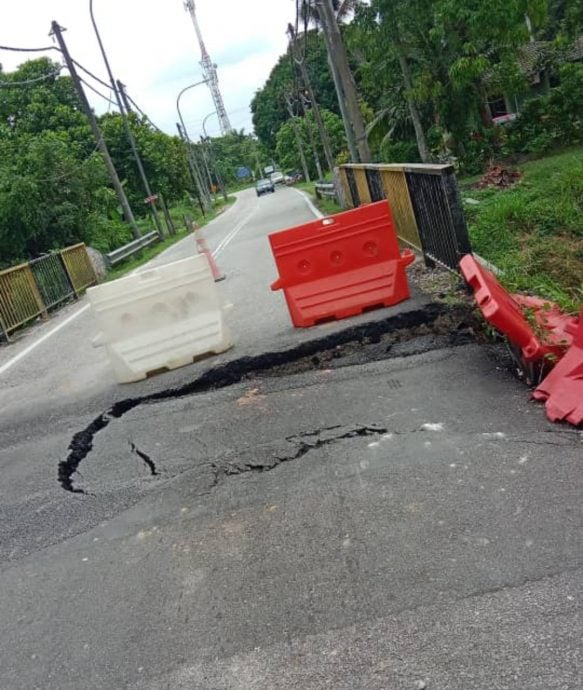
point(327, 206)
point(177, 213)
point(533, 231)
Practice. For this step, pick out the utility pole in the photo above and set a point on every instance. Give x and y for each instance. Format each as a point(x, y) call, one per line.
point(204, 192)
point(311, 138)
point(344, 80)
point(212, 158)
point(208, 147)
point(194, 171)
point(258, 163)
point(57, 32)
point(298, 137)
point(206, 164)
point(301, 63)
point(124, 110)
point(116, 88)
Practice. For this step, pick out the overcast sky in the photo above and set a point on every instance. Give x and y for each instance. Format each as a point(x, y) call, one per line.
point(152, 48)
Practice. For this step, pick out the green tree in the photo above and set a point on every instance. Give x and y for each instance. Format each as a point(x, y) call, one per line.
point(54, 189)
point(48, 103)
point(441, 58)
point(268, 105)
point(49, 196)
point(163, 157)
point(227, 154)
point(287, 153)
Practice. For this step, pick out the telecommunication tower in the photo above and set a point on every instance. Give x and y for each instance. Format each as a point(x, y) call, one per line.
point(209, 70)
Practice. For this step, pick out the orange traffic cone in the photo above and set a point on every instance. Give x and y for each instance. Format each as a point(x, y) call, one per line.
point(203, 248)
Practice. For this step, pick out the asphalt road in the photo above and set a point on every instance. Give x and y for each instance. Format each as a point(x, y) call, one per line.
point(67, 368)
point(398, 524)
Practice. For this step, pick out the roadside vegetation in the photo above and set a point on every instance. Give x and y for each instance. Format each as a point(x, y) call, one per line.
point(178, 213)
point(54, 188)
point(326, 206)
point(432, 76)
point(533, 231)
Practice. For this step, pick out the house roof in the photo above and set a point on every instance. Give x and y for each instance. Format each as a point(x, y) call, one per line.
point(531, 54)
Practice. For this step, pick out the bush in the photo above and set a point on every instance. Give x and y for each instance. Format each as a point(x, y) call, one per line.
point(549, 121)
point(399, 152)
point(107, 234)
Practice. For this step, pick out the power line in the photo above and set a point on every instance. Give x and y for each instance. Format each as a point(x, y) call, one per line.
point(142, 113)
point(194, 123)
point(29, 50)
point(77, 64)
point(92, 88)
point(46, 48)
point(89, 73)
point(10, 84)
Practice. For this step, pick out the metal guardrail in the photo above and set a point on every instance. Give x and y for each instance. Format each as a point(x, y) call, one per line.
point(132, 248)
point(30, 290)
point(425, 202)
point(326, 190)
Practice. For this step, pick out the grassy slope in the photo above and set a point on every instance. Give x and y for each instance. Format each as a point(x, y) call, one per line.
point(533, 231)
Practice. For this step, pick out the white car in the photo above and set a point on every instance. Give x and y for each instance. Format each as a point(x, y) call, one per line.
point(277, 177)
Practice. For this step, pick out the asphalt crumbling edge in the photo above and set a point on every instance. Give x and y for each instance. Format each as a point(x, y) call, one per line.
point(235, 371)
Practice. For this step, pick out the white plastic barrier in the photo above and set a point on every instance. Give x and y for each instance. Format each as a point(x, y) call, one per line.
point(160, 319)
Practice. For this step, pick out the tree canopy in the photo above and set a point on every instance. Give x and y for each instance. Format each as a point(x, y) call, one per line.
point(426, 71)
point(54, 188)
point(269, 106)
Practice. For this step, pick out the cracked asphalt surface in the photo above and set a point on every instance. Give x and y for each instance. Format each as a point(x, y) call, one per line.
point(391, 514)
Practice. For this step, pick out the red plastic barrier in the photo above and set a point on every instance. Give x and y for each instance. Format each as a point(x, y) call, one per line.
point(562, 389)
point(339, 266)
point(536, 326)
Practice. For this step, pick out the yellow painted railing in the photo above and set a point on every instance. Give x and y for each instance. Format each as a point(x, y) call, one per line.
point(22, 287)
point(20, 299)
point(79, 267)
point(424, 200)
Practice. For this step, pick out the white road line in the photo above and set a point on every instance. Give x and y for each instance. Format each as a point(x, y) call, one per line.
point(240, 225)
point(27, 350)
point(308, 201)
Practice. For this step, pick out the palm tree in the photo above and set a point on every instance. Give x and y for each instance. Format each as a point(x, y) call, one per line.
point(342, 9)
point(341, 73)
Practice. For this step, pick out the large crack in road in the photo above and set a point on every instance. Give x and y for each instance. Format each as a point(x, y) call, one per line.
point(435, 326)
point(295, 447)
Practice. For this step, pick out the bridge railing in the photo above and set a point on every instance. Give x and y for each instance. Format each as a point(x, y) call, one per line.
point(425, 202)
point(30, 290)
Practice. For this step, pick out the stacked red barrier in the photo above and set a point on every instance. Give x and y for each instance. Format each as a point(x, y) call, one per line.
point(340, 266)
